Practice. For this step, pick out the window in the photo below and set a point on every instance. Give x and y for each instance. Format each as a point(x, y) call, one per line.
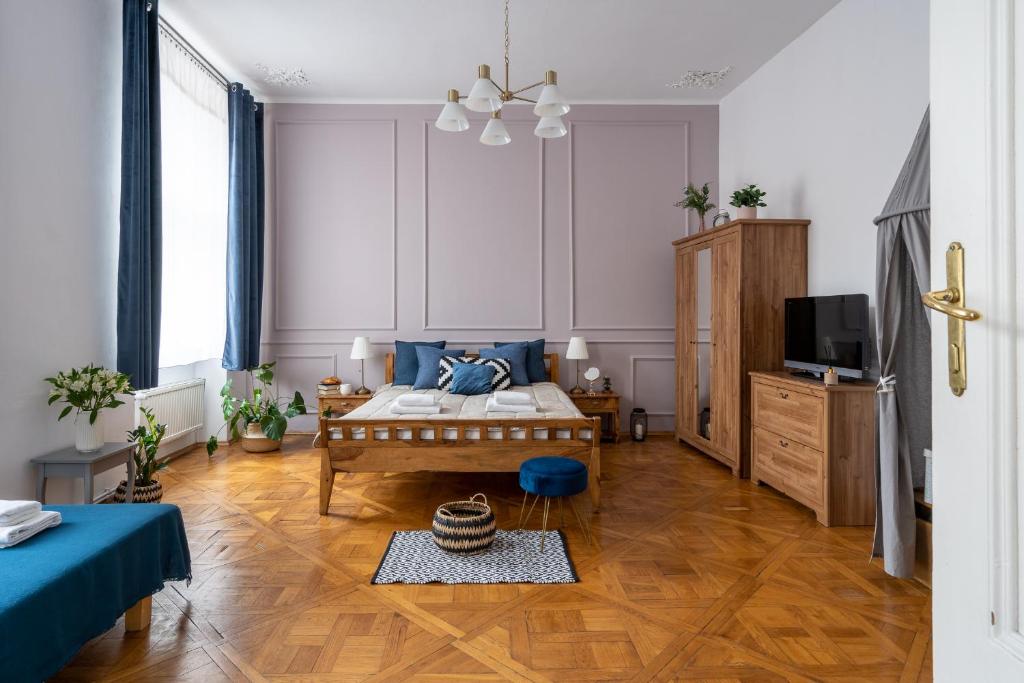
point(194, 158)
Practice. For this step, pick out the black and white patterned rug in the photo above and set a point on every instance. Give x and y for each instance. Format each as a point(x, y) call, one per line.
point(515, 557)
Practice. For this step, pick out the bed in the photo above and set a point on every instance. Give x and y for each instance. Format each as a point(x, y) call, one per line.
point(463, 438)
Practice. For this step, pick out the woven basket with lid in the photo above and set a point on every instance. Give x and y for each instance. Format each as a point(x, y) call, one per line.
point(464, 527)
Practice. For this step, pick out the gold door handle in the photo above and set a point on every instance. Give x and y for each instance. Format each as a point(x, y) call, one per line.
point(944, 301)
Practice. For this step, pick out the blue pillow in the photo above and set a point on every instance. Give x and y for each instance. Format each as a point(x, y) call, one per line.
point(470, 379)
point(429, 370)
point(406, 362)
point(516, 355)
point(535, 368)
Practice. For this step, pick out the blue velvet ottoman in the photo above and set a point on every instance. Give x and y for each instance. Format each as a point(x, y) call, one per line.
point(552, 477)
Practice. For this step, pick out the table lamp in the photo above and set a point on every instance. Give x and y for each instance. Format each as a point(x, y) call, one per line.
point(577, 351)
point(360, 352)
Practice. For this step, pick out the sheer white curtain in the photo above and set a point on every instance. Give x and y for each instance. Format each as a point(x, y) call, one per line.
point(194, 151)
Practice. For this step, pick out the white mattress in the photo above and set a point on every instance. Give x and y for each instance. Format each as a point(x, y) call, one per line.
point(552, 403)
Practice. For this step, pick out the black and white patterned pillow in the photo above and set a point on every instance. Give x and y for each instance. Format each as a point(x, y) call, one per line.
point(502, 371)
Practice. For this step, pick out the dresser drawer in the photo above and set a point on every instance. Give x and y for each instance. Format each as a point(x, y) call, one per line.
point(340, 405)
point(796, 415)
point(790, 466)
point(596, 403)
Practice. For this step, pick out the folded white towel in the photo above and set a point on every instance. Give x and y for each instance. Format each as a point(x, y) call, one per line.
point(15, 534)
point(415, 400)
point(495, 407)
point(415, 410)
point(17, 511)
point(512, 397)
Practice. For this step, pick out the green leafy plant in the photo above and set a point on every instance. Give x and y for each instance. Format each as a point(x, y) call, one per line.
point(147, 438)
point(748, 196)
point(88, 390)
point(261, 407)
point(698, 200)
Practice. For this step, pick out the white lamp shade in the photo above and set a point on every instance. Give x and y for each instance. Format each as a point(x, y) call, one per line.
point(577, 349)
point(360, 348)
point(551, 102)
point(549, 127)
point(484, 96)
point(495, 133)
point(452, 118)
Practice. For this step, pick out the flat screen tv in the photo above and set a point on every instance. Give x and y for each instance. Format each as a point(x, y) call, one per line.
point(825, 332)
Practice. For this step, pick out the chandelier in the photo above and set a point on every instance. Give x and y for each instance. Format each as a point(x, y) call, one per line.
point(489, 97)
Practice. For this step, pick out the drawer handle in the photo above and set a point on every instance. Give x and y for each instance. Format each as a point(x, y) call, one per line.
point(783, 394)
point(784, 444)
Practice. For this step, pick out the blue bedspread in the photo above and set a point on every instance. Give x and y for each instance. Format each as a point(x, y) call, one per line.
point(70, 583)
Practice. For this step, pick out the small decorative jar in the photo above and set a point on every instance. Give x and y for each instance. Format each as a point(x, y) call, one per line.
point(465, 527)
point(607, 388)
point(721, 218)
point(638, 424)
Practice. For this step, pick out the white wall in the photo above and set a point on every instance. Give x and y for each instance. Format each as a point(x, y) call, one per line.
point(824, 128)
point(60, 79)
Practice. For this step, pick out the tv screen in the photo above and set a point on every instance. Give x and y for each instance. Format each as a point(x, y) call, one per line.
point(828, 332)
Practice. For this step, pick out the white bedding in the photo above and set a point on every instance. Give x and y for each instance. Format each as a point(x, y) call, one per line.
point(551, 401)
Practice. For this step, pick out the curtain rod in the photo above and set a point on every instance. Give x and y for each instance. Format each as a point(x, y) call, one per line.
point(200, 60)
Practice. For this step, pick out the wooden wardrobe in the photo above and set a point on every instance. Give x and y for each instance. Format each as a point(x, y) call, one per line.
point(731, 284)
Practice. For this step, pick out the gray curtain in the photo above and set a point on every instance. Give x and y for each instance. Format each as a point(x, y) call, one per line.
point(138, 261)
point(904, 355)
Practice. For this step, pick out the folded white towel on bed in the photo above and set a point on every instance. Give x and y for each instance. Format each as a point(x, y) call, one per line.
point(512, 398)
point(415, 400)
point(17, 511)
point(495, 407)
point(415, 410)
point(15, 534)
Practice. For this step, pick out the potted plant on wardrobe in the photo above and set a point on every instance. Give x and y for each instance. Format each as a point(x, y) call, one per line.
point(746, 200)
point(146, 439)
point(257, 420)
point(698, 200)
point(88, 391)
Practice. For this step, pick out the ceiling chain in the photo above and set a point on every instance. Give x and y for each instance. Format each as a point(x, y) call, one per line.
point(507, 44)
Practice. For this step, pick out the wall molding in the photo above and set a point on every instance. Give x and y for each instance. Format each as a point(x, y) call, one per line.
point(427, 123)
point(633, 360)
point(573, 324)
point(394, 223)
point(348, 342)
point(332, 357)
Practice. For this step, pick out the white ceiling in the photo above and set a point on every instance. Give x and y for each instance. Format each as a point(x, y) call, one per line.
point(414, 50)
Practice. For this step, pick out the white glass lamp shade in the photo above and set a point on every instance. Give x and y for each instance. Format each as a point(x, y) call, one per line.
point(360, 348)
point(452, 118)
point(495, 132)
point(551, 102)
point(549, 127)
point(577, 349)
point(484, 96)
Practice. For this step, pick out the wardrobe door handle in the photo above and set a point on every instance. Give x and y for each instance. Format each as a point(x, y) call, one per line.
point(784, 444)
point(783, 394)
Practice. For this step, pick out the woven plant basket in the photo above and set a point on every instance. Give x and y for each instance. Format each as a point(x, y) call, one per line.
point(464, 527)
point(142, 494)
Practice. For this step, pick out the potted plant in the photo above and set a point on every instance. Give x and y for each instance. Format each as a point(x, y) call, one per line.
point(88, 391)
point(257, 419)
point(747, 199)
point(146, 439)
point(698, 200)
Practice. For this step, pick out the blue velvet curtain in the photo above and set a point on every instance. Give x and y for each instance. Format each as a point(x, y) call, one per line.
point(245, 230)
point(138, 265)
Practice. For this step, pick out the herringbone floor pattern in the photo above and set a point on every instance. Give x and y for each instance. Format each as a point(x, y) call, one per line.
point(693, 576)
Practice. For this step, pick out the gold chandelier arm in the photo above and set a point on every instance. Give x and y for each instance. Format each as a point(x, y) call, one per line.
point(529, 87)
point(524, 99)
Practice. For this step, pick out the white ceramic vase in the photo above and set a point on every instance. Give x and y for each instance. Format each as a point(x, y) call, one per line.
point(746, 213)
point(88, 437)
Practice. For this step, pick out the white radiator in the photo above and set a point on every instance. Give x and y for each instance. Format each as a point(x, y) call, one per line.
point(178, 405)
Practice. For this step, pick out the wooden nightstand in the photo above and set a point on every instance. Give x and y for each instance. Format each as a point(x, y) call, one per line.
point(601, 404)
point(339, 405)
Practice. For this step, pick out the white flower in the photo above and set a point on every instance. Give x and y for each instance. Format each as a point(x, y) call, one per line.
point(111, 382)
point(77, 385)
point(97, 386)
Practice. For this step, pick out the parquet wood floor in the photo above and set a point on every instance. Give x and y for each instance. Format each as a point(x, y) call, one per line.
point(693, 576)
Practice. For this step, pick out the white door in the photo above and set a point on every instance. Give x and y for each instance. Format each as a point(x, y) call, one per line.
point(977, 196)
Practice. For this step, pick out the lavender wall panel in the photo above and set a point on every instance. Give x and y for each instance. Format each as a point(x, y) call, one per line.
point(381, 225)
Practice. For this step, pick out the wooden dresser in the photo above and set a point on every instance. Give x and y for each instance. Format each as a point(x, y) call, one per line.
point(816, 444)
point(731, 285)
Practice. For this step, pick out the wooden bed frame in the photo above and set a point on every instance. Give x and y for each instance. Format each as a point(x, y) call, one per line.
point(459, 454)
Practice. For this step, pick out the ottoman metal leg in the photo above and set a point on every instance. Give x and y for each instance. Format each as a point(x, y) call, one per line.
point(523, 521)
point(544, 524)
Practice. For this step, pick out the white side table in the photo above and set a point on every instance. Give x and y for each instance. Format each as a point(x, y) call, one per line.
point(69, 462)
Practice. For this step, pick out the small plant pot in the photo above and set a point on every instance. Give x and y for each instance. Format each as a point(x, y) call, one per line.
point(152, 493)
point(255, 441)
point(746, 213)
